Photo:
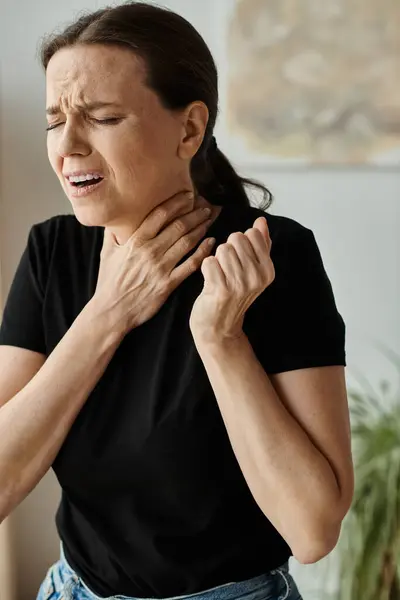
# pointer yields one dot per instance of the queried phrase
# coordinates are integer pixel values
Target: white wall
(355, 215)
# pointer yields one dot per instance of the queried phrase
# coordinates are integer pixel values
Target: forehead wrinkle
(68, 87)
(85, 75)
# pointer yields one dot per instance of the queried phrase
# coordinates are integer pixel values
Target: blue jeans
(62, 583)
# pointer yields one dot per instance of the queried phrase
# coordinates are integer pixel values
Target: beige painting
(317, 80)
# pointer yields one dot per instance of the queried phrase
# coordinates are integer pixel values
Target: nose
(72, 142)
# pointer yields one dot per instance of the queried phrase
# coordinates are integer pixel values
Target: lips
(86, 183)
(84, 188)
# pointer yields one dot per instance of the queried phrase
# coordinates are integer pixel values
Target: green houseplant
(369, 547)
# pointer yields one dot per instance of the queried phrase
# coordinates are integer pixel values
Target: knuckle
(193, 264)
(149, 253)
(179, 226)
(225, 248)
(235, 237)
(161, 213)
(204, 251)
(186, 243)
(190, 266)
(207, 260)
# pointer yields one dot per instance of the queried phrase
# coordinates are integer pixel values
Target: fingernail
(207, 211)
(211, 241)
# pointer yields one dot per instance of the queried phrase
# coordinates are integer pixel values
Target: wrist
(216, 341)
(105, 318)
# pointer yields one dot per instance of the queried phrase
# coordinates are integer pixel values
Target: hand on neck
(125, 228)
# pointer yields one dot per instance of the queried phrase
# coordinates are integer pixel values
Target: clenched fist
(238, 273)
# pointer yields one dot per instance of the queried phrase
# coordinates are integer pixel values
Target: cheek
(54, 157)
(132, 156)
(143, 154)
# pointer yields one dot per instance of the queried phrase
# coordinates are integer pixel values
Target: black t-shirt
(154, 503)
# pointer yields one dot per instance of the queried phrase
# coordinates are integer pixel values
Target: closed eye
(53, 126)
(109, 121)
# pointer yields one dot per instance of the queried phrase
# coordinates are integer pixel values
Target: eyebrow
(55, 109)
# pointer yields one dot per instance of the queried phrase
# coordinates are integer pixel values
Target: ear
(194, 123)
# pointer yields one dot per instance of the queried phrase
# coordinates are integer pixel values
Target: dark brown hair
(180, 69)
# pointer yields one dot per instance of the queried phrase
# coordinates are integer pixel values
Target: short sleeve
(306, 330)
(22, 321)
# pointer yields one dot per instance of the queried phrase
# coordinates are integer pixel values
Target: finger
(163, 214)
(200, 202)
(192, 264)
(230, 263)
(259, 244)
(212, 272)
(262, 225)
(172, 253)
(243, 247)
(180, 230)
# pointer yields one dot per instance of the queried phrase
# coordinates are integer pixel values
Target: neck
(124, 230)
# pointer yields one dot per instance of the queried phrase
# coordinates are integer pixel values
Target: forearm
(292, 482)
(36, 421)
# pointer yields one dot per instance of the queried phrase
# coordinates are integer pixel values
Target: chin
(90, 217)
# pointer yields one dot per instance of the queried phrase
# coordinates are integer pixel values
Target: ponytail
(218, 182)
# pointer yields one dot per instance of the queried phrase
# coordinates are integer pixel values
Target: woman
(174, 354)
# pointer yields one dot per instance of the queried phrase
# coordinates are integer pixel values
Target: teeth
(78, 178)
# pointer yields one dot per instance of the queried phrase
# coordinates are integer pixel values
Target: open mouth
(87, 183)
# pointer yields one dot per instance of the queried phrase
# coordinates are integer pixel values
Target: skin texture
(145, 155)
(290, 431)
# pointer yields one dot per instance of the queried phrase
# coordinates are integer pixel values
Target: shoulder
(286, 233)
(56, 225)
(279, 224)
(62, 245)
(61, 231)
(294, 250)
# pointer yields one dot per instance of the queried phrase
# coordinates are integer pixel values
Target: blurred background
(309, 105)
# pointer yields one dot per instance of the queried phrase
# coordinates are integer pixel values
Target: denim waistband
(259, 587)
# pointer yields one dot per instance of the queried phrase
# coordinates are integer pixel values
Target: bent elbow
(311, 555)
(317, 548)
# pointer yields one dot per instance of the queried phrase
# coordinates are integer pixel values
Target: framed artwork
(309, 82)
